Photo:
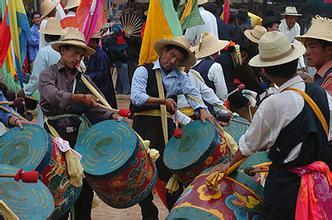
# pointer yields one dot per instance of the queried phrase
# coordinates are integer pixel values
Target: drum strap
(163, 111)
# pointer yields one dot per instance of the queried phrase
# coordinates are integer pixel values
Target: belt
(151, 112)
(189, 111)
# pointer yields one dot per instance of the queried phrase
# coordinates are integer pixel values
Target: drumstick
(6, 103)
(122, 112)
(250, 113)
(13, 113)
(26, 177)
(238, 89)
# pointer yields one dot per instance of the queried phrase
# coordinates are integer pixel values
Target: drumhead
(106, 147)
(196, 140)
(28, 149)
(26, 200)
(237, 127)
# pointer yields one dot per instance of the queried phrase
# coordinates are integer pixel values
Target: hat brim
(218, 46)
(248, 34)
(309, 36)
(88, 51)
(52, 6)
(298, 51)
(70, 7)
(52, 32)
(290, 14)
(189, 61)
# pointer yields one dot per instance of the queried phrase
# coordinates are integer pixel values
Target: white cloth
(273, 115)
(193, 34)
(42, 41)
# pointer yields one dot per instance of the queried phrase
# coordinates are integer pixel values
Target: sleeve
(38, 65)
(4, 116)
(327, 84)
(34, 38)
(216, 75)
(138, 87)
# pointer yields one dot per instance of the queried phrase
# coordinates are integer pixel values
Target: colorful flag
(20, 31)
(188, 14)
(162, 22)
(5, 37)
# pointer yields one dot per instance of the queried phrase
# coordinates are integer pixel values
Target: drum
(115, 163)
(240, 196)
(237, 127)
(26, 200)
(201, 146)
(32, 149)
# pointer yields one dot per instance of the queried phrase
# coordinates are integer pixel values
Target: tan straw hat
(321, 29)
(209, 45)
(291, 11)
(96, 35)
(52, 27)
(255, 34)
(202, 2)
(275, 49)
(179, 41)
(72, 4)
(75, 38)
(46, 7)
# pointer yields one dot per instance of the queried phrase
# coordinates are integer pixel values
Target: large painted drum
(239, 195)
(237, 127)
(201, 146)
(32, 149)
(26, 200)
(116, 164)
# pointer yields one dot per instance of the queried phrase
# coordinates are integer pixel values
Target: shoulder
(49, 71)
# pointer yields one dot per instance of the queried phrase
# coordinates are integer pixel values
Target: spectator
(33, 41)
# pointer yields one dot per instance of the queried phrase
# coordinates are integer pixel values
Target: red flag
(5, 37)
(227, 12)
(328, 1)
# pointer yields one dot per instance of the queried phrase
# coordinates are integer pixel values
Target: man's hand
(86, 99)
(205, 115)
(170, 105)
(15, 121)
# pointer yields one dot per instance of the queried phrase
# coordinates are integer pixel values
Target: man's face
(274, 27)
(93, 43)
(170, 59)
(316, 54)
(36, 19)
(290, 21)
(72, 56)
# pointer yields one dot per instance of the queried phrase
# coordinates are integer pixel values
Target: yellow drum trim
(187, 111)
(151, 112)
(244, 186)
(214, 212)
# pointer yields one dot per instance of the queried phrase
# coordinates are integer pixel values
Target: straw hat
(52, 27)
(275, 49)
(291, 11)
(179, 41)
(96, 35)
(255, 34)
(72, 4)
(209, 45)
(75, 38)
(202, 2)
(321, 29)
(46, 7)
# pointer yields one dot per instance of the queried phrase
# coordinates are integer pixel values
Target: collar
(321, 72)
(295, 80)
(156, 65)
(62, 69)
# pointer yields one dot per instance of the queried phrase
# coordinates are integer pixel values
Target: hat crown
(72, 4)
(182, 40)
(290, 10)
(73, 35)
(46, 7)
(315, 30)
(273, 45)
(209, 44)
(258, 31)
(52, 27)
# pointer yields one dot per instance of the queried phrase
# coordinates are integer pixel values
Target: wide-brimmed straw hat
(321, 29)
(275, 49)
(72, 4)
(255, 34)
(75, 38)
(52, 27)
(290, 11)
(202, 2)
(209, 45)
(46, 7)
(179, 41)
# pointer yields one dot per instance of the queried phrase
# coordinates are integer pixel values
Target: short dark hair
(35, 13)
(285, 70)
(325, 43)
(180, 49)
(52, 38)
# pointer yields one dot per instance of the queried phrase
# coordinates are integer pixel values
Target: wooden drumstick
(6, 103)
(26, 177)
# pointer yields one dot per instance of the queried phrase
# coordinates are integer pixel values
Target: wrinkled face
(290, 21)
(36, 19)
(71, 56)
(170, 59)
(316, 54)
(274, 27)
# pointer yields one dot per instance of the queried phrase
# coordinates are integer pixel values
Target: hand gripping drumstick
(238, 89)
(177, 131)
(26, 177)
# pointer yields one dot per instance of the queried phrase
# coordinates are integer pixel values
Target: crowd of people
(213, 67)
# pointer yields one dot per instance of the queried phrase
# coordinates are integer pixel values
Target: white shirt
(42, 41)
(193, 34)
(272, 116)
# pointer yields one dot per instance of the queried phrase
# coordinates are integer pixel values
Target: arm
(5, 116)
(34, 37)
(39, 65)
(216, 75)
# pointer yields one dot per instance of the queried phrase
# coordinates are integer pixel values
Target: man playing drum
(155, 87)
(65, 97)
(295, 132)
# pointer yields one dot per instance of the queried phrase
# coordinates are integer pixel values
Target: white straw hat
(275, 49)
(209, 44)
(202, 2)
(52, 27)
(75, 38)
(46, 7)
(321, 29)
(291, 11)
(255, 34)
(179, 41)
(72, 4)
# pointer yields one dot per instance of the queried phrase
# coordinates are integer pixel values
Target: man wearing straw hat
(155, 87)
(318, 43)
(48, 10)
(211, 71)
(70, 19)
(295, 133)
(66, 97)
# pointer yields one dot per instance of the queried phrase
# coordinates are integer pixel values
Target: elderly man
(64, 98)
(296, 137)
(155, 88)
